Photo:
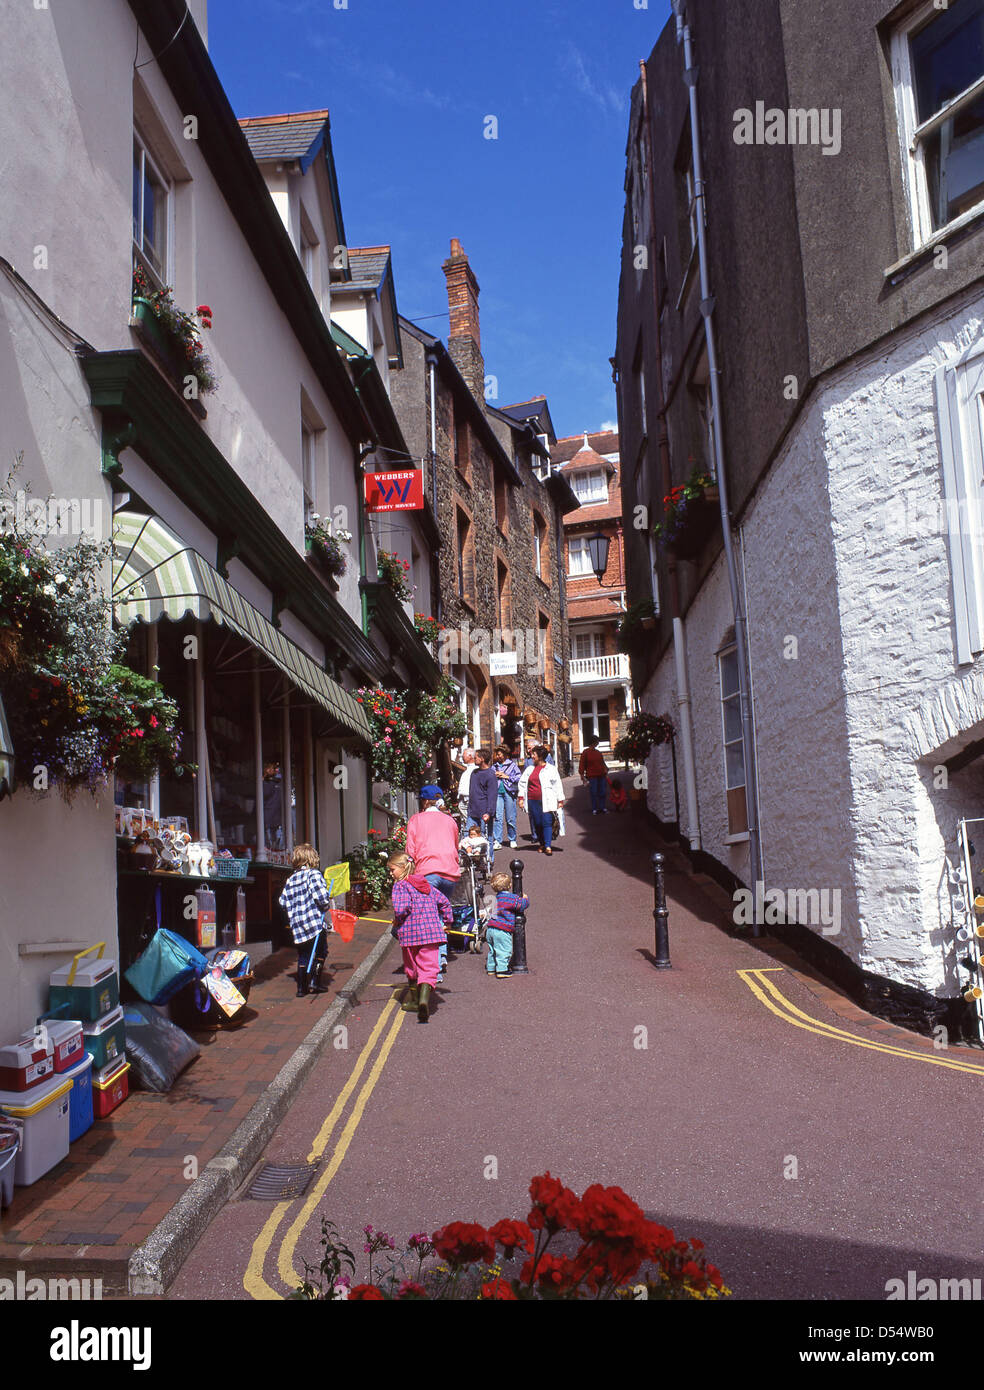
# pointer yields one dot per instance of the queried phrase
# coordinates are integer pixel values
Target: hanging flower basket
(689, 516)
(325, 545)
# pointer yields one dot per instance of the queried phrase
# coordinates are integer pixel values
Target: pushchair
(469, 914)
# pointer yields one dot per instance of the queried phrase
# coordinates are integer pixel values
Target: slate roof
(296, 135)
(368, 265)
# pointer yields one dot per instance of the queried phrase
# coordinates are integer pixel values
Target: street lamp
(6, 756)
(598, 547)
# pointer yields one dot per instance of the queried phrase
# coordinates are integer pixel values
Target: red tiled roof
(566, 449)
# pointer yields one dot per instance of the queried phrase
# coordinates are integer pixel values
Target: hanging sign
(395, 492)
(503, 664)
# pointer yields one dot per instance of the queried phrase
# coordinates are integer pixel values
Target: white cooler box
(44, 1113)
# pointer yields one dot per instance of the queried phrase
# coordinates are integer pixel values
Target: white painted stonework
(854, 715)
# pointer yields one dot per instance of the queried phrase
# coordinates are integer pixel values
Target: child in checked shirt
(305, 900)
(420, 913)
(502, 924)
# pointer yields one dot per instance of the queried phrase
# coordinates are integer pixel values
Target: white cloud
(608, 98)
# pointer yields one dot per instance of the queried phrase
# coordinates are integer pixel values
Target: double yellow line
(773, 999)
(253, 1281)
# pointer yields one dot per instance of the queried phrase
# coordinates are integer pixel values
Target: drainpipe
(707, 310)
(432, 365)
(679, 635)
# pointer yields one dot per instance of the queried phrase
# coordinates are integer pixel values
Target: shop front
(266, 737)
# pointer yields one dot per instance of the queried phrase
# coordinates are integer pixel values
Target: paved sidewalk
(125, 1175)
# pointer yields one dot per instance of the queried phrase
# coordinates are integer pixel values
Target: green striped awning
(155, 575)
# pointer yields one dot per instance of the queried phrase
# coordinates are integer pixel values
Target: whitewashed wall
(858, 696)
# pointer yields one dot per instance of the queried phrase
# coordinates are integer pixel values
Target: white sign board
(503, 663)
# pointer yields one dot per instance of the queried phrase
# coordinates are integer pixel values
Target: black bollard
(519, 966)
(660, 916)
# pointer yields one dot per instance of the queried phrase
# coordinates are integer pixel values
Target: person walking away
(594, 771)
(420, 915)
(507, 772)
(432, 844)
(305, 900)
(483, 793)
(502, 924)
(542, 792)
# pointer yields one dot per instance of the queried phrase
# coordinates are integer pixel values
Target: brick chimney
(464, 338)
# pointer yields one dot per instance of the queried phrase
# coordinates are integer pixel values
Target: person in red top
(594, 770)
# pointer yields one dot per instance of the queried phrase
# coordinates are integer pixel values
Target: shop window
(938, 66)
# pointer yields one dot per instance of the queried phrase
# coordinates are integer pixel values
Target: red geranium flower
(462, 1243)
(411, 1290)
(555, 1207)
(366, 1293)
(512, 1236)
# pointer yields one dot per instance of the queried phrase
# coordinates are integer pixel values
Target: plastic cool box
(44, 1113)
(87, 989)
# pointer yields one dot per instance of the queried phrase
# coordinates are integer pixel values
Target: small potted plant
(429, 628)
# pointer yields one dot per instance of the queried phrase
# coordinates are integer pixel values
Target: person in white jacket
(541, 792)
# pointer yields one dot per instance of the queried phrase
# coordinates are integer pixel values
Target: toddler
(474, 844)
(502, 924)
(305, 900)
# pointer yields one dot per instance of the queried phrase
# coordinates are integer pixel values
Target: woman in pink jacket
(432, 844)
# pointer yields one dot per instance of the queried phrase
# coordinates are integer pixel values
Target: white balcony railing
(592, 669)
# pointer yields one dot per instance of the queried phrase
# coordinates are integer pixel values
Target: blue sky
(409, 84)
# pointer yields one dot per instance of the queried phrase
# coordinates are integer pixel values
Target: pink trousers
(422, 964)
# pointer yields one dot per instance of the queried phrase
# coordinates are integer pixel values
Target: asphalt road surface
(813, 1163)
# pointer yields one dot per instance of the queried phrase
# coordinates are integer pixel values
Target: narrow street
(701, 1091)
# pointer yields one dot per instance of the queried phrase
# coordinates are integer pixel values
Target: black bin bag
(157, 1049)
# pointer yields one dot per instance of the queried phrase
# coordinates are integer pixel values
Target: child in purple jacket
(420, 913)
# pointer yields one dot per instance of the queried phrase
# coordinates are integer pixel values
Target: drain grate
(277, 1182)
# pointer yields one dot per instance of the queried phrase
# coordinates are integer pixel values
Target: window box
(173, 339)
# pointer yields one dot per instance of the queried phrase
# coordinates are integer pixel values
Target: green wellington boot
(410, 1003)
(423, 1005)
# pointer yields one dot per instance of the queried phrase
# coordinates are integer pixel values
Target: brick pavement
(123, 1177)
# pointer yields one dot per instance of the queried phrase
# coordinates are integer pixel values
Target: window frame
(737, 813)
(594, 499)
(912, 134)
(961, 427)
(163, 276)
(572, 573)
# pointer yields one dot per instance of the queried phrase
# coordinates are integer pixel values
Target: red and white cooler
(26, 1063)
(65, 1037)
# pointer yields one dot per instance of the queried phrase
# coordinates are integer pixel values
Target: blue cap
(431, 793)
